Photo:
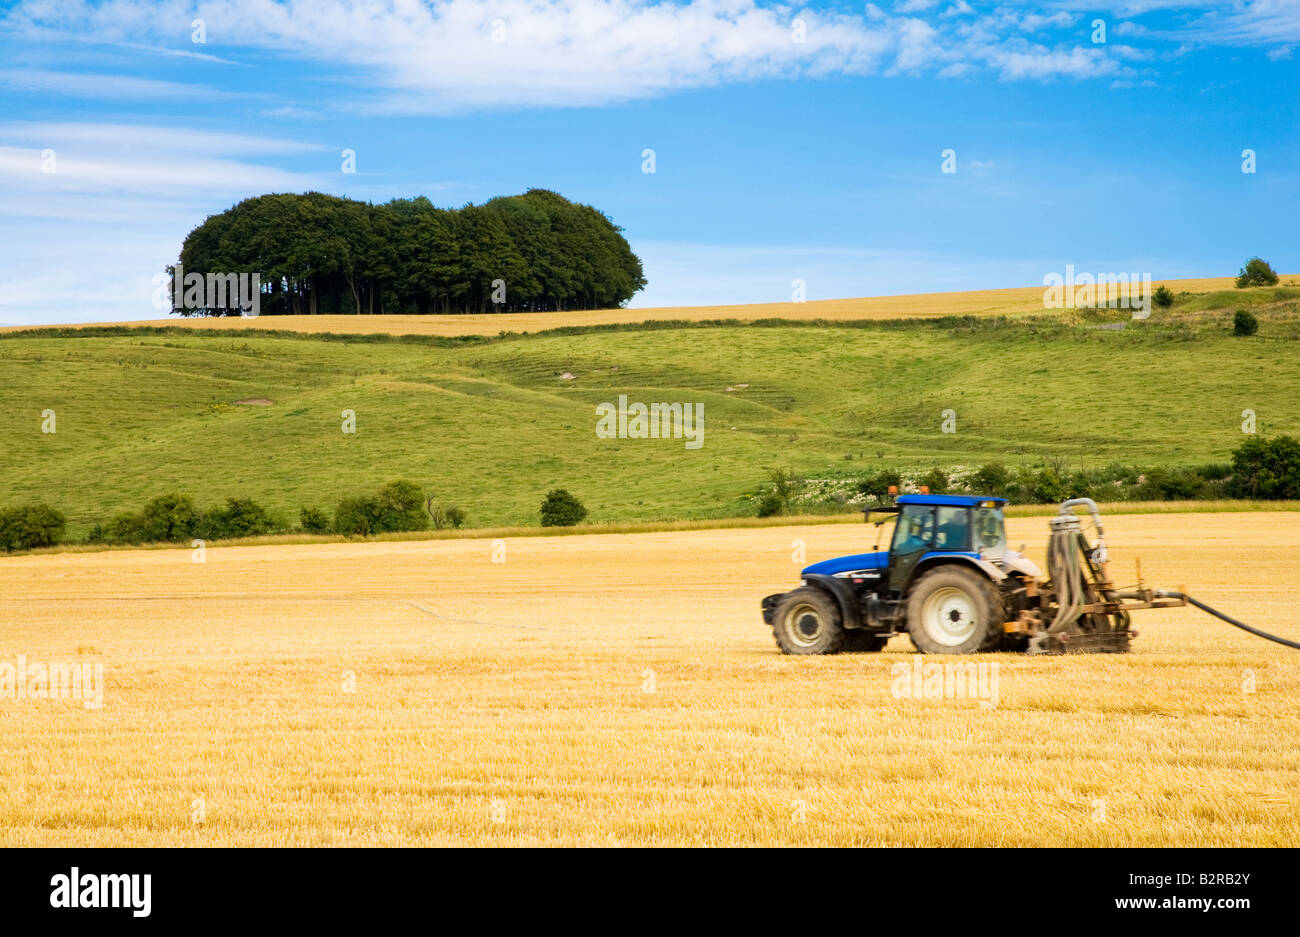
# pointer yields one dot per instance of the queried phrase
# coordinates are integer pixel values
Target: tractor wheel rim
(949, 617)
(803, 625)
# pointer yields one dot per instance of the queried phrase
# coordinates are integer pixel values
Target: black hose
(1232, 621)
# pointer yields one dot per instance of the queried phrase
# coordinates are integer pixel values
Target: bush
(241, 517)
(356, 517)
(1244, 323)
(397, 506)
(783, 487)
(877, 486)
(561, 509)
(991, 479)
(168, 518)
(314, 521)
(1256, 272)
(401, 507)
(30, 526)
(1163, 297)
(1164, 484)
(119, 529)
(1266, 468)
(1047, 487)
(936, 480)
(447, 515)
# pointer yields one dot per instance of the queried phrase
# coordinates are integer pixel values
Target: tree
(1244, 323)
(936, 480)
(30, 526)
(1256, 272)
(991, 479)
(561, 509)
(1163, 296)
(1266, 468)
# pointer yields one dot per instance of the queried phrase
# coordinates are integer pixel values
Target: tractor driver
(953, 528)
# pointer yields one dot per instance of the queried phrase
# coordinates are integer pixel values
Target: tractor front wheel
(955, 610)
(807, 621)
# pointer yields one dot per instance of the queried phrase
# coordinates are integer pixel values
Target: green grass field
(492, 424)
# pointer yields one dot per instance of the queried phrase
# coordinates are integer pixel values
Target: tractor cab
(931, 527)
(927, 529)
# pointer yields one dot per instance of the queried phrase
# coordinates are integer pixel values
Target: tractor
(950, 581)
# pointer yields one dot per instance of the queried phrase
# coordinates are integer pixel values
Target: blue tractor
(949, 580)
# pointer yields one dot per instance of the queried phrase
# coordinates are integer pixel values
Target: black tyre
(864, 642)
(807, 621)
(955, 610)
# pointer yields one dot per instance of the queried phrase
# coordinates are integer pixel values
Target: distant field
(493, 424)
(1007, 302)
(622, 690)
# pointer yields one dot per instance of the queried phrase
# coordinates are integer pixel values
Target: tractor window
(990, 533)
(915, 530)
(952, 529)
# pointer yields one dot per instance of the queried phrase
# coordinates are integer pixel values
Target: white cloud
(83, 242)
(414, 56)
(92, 85)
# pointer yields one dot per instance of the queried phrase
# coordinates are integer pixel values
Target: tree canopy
(318, 254)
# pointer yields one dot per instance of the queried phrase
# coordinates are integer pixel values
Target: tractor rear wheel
(807, 621)
(955, 610)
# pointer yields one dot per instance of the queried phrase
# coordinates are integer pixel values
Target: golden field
(620, 689)
(1009, 302)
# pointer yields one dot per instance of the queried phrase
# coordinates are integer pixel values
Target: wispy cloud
(100, 85)
(458, 55)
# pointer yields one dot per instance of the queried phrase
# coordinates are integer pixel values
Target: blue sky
(790, 142)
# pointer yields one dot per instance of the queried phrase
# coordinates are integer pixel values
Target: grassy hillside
(492, 424)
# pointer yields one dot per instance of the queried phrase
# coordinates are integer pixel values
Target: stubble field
(621, 689)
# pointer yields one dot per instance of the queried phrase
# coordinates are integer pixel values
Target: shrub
(30, 526)
(241, 517)
(356, 517)
(1047, 486)
(1266, 468)
(398, 505)
(119, 529)
(1256, 272)
(936, 480)
(168, 518)
(991, 479)
(401, 507)
(1164, 484)
(877, 486)
(446, 515)
(314, 521)
(1244, 323)
(561, 509)
(1163, 297)
(783, 486)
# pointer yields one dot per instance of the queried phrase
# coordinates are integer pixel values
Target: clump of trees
(319, 254)
(1256, 272)
(29, 526)
(397, 506)
(1266, 468)
(174, 518)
